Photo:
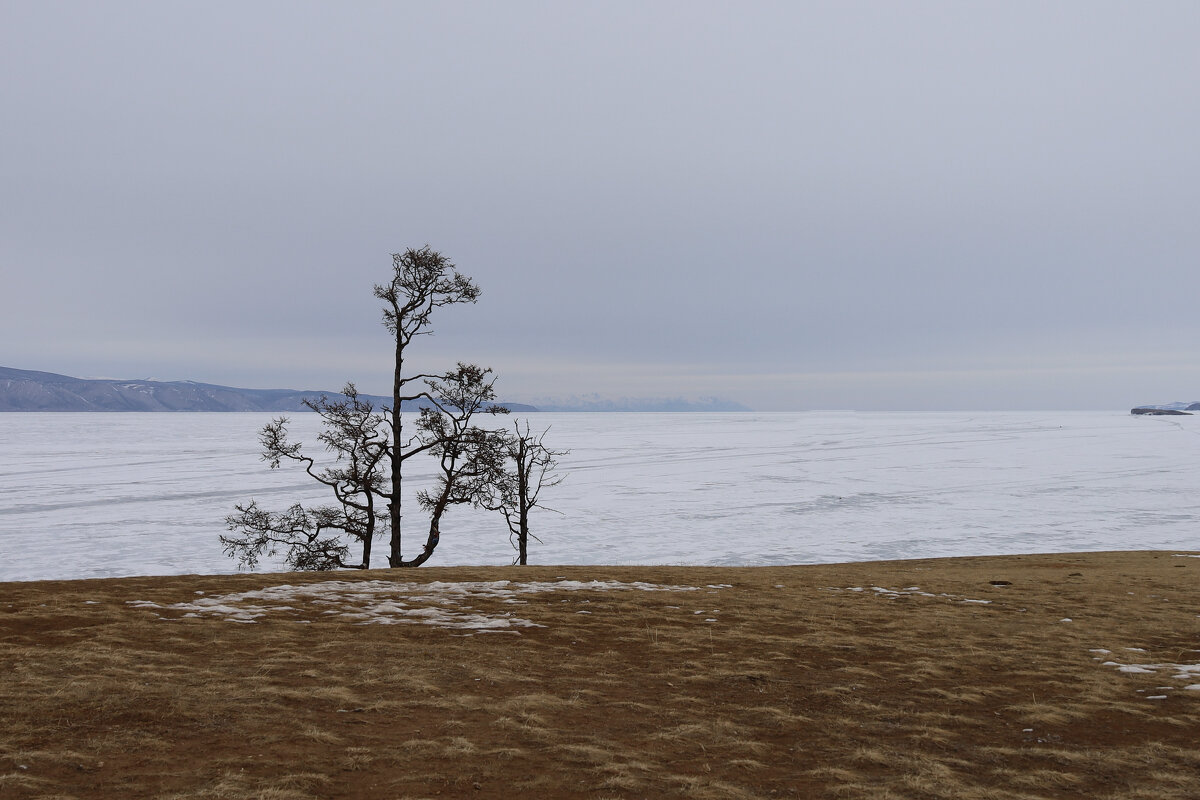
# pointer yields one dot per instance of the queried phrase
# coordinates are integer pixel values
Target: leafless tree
(315, 539)
(422, 280)
(370, 447)
(470, 458)
(529, 467)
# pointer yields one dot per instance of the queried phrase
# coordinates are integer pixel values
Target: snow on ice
(102, 495)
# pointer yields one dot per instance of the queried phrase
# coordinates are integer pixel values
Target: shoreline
(515, 572)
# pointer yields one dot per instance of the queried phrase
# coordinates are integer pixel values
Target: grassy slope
(796, 690)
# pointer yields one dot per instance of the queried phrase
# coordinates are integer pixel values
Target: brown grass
(800, 688)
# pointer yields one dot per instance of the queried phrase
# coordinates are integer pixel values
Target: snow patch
(443, 604)
(1186, 673)
(892, 594)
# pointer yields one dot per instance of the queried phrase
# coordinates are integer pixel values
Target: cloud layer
(870, 205)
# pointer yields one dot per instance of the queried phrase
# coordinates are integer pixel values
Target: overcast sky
(795, 205)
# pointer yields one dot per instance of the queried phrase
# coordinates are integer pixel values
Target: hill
(28, 390)
(1048, 676)
(596, 403)
(1166, 408)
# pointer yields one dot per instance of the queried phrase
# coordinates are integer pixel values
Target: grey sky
(875, 205)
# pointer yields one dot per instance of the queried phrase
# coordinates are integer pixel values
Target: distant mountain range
(638, 404)
(27, 390)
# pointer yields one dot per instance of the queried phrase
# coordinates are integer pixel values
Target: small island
(1156, 411)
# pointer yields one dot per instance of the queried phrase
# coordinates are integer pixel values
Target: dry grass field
(1070, 681)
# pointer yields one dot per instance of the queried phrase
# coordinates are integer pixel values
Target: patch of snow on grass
(1133, 669)
(1180, 672)
(892, 594)
(443, 604)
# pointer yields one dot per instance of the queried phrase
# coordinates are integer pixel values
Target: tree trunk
(370, 537)
(431, 541)
(523, 469)
(396, 558)
(523, 538)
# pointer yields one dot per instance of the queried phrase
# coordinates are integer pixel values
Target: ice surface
(97, 495)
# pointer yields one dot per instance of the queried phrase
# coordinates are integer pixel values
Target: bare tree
(315, 539)
(422, 280)
(370, 448)
(470, 458)
(529, 467)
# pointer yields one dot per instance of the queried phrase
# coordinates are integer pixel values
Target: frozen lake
(98, 495)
